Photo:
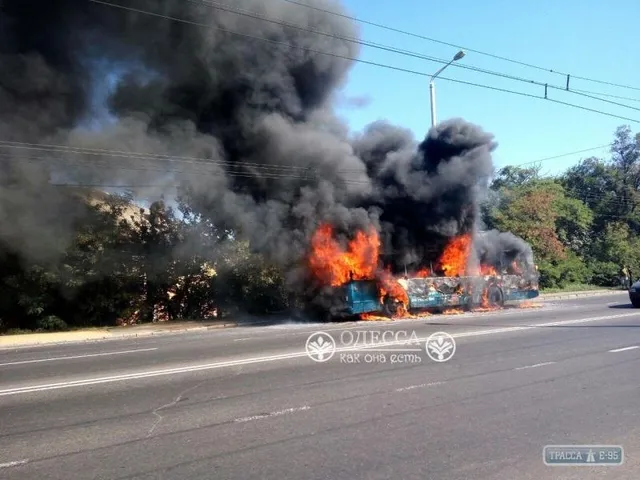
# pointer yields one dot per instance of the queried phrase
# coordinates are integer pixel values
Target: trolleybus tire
(390, 307)
(495, 296)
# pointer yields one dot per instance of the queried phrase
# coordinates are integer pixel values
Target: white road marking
(358, 324)
(148, 374)
(534, 366)
(422, 385)
(616, 350)
(73, 357)
(413, 349)
(290, 410)
(272, 414)
(541, 325)
(14, 464)
(253, 417)
(305, 328)
(273, 358)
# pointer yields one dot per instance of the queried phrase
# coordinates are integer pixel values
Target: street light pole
(432, 86)
(432, 96)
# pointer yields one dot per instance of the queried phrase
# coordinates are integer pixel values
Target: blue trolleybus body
(361, 296)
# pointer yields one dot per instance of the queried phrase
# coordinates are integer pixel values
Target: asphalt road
(249, 403)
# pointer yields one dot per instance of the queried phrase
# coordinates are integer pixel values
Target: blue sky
(588, 38)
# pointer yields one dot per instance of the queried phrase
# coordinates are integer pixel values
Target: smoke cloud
(245, 124)
(502, 248)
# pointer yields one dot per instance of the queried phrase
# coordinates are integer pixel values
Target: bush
(606, 274)
(51, 323)
(570, 270)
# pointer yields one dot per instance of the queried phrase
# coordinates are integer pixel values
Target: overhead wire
(602, 94)
(234, 10)
(268, 168)
(354, 59)
(202, 166)
(554, 157)
(193, 172)
(480, 52)
(154, 156)
(238, 172)
(259, 169)
(580, 194)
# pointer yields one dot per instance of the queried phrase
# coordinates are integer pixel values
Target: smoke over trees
(233, 104)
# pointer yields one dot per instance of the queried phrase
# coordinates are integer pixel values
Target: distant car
(634, 294)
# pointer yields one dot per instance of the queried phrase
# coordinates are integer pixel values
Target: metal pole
(432, 87)
(432, 93)
(432, 96)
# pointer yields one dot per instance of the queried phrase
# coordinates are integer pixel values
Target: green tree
(155, 236)
(513, 176)
(556, 227)
(531, 213)
(92, 283)
(99, 282)
(610, 188)
(573, 223)
(617, 246)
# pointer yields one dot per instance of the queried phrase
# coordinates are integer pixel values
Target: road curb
(567, 295)
(60, 338)
(163, 331)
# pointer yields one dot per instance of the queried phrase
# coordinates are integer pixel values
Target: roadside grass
(577, 287)
(22, 331)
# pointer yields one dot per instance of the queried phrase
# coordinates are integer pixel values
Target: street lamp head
(459, 55)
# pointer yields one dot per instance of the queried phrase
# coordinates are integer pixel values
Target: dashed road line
(14, 464)
(624, 349)
(272, 414)
(73, 357)
(534, 366)
(422, 385)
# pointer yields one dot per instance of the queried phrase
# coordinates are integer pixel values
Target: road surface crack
(156, 411)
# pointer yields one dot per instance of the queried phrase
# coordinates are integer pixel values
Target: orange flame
(335, 266)
(487, 270)
(423, 273)
(452, 311)
(453, 260)
(392, 287)
(529, 305)
(372, 318)
(484, 304)
(485, 298)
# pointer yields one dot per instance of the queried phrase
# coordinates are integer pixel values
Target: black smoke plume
(237, 109)
(427, 193)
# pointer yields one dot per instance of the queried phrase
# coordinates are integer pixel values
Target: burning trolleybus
(489, 289)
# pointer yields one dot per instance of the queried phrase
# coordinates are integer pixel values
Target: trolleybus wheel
(495, 296)
(392, 307)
